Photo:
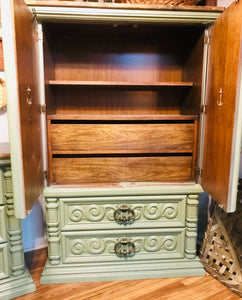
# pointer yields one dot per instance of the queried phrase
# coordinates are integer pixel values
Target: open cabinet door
(223, 117)
(23, 105)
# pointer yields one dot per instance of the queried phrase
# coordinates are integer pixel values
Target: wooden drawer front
(111, 212)
(77, 170)
(3, 224)
(4, 261)
(122, 138)
(99, 246)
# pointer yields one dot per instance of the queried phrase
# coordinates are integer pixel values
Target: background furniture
(14, 278)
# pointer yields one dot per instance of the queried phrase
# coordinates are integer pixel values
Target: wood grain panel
(78, 170)
(20, 44)
(118, 101)
(49, 72)
(121, 138)
(123, 54)
(193, 70)
(224, 68)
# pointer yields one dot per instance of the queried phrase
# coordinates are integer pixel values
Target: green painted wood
(99, 212)
(123, 189)
(115, 271)
(3, 224)
(80, 14)
(13, 287)
(14, 278)
(86, 251)
(99, 246)
(2, 198)
(4, 261)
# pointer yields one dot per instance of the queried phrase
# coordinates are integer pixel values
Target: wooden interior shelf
(118, 83)
(87, 117)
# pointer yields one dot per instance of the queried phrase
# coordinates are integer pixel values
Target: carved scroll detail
(107, 245)
(100, 212)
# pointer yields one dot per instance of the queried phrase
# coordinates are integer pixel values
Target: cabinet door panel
(223, 116)
(20, 47)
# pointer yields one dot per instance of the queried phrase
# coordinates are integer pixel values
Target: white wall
(3, 128)
(224, 3)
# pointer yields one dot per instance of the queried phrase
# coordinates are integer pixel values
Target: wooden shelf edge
(118, 83)
(117, 152)
(79, 117)
(56, 3)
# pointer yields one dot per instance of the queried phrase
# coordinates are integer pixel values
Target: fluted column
(14, 229)
(191, 226)
(52, 222)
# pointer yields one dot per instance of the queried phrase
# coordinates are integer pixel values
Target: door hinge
(203, 109)
(39, 33)
(207, 37)
(46, 175)
(198, 171)
(42, 108)
(207, 40)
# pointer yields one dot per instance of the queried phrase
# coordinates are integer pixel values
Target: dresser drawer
(122, 245)
(122, 138)
(119, 212)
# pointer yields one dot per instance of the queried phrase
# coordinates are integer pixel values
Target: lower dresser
(119, 233)
(15, 280)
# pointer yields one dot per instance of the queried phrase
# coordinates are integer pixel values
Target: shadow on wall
(33, 226)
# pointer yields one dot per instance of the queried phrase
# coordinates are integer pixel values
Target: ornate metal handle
(124, 214)
(220, 102)
(29, 102)
(124, 247)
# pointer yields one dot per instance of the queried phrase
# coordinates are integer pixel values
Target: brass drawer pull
(124, 214)
(124, 247)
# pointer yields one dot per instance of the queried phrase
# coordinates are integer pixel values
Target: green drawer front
(113, 212)
(96, 246)
(3, 224)
(4, 266)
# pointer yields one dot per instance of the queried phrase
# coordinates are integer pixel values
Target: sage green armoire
(121, 114)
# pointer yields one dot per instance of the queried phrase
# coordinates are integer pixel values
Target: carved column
(52, 222)
(14, 229)
(191, 226)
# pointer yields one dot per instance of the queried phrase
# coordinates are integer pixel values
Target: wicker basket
(163, 2)
(221, 251)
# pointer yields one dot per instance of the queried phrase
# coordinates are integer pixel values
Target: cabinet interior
(122, 102)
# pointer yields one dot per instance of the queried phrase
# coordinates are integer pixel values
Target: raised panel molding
(102, 246)
(4, 264)
(80, 247)
(143, 211)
